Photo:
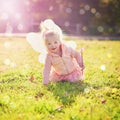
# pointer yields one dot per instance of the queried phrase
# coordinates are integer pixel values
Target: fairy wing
(71, 44)
(36, 42)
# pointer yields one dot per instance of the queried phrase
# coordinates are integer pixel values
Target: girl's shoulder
(48, 56)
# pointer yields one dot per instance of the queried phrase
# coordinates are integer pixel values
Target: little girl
(62, 63)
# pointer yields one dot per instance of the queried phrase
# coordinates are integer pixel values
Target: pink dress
(63, 68)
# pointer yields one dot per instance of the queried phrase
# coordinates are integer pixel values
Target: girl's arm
(46, 71)
(79, 58)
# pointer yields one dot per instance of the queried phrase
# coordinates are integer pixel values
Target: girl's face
(53, 44)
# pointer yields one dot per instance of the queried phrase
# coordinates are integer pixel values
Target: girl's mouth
(53, 48)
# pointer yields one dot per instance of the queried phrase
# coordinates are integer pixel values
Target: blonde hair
(49, 28)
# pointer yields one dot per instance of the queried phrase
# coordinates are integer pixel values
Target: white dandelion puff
(102, 67)
(86, 90)
(7, 44)
(7, 61)
(13, 64)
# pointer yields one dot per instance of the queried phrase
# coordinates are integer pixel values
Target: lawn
(23, 97)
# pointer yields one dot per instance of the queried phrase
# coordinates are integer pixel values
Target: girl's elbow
(45, 82)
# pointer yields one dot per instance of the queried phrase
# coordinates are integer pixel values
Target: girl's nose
(53, 45)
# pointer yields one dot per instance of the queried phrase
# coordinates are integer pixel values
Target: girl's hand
(81, 64)
(45, 84)
(82, 67)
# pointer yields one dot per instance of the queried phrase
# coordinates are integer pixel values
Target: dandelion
(7, 44)
(86, 90)
(12, 105)
(6, 99)
(7, 61)
(102, 67)
(13, 64)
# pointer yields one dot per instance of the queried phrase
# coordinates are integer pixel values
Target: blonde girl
(62, 62)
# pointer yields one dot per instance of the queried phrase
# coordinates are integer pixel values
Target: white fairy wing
(36, 42)
(41, 58)
(71, 44)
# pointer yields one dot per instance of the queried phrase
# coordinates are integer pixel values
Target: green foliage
(23, 97)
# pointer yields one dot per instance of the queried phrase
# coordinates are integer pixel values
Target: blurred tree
(84, 16)
(110, 15)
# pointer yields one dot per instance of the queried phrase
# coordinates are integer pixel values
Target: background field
(23, 97)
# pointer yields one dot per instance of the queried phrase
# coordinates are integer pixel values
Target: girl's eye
(49, 43)
(56, 42)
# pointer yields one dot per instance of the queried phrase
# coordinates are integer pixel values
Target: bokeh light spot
(93, 10)
(27, 2)
(51, 8)
(84, 28)
(20, 27)
(97, 14)
(67, 23)
(68, 10)
(9, 28)
(87, 7)
(18, 16)
(4, 16)
(100, 29)
(35, 0)
(82, 11)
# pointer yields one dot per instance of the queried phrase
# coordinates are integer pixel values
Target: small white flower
(13, 65)
(6, 99)
(7, 44)
(12, 105)
(102, 67)
(7, 61)
(86, 90)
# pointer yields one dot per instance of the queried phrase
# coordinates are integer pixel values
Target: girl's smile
(53, 45)
(53, 48)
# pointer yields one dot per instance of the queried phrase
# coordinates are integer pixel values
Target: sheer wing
(36, 42)
(41, 58)
(71, 44)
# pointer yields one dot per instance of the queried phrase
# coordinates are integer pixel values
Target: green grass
(97, 98)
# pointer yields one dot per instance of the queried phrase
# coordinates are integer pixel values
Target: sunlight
(7, 44)
(18, 16)
(20, 27)
(7, 61)
(8, 6)
(4, 16)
